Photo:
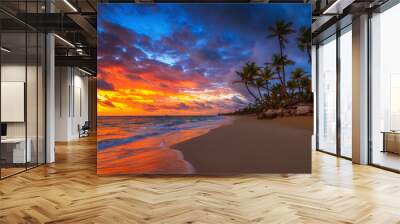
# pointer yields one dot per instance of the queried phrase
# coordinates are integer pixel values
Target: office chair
(84, 130)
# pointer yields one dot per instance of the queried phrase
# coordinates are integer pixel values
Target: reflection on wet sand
(150, 155)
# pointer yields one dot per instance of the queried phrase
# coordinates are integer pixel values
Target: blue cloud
(213, 40)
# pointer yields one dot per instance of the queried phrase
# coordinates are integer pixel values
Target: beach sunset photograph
(204, 89)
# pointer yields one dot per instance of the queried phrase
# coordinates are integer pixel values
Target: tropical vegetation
(278, 83)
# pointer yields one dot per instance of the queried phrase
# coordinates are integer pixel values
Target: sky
(181, 59)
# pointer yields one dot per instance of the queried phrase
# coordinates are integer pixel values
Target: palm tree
(253, 70)
(304, 41)
(277, 89)
(245, 79)
(279, 63)
(259, 83)
(247, 75)
(276, 95)
(285, 61)
(305, 84)
(281, 30)
(267, 76)
(297, 76)
(291, 85)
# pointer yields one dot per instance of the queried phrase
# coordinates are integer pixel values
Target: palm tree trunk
(251, 93)
(259, 92)
(283, 64)
(285, 92)
(299, 88)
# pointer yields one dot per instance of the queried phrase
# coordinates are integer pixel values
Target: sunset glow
(173, 60)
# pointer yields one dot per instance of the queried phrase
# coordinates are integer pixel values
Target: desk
(391, 141)
(16, 147)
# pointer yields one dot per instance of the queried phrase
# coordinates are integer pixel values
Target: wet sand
(152, 155)
(248, 145)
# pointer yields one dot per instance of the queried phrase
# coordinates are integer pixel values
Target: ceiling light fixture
(79, 51)
(328, 10)
(337, 7)
(70, 5)
(5, 50)
(64, 40)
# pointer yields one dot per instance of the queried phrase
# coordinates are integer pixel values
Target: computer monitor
(3, 129)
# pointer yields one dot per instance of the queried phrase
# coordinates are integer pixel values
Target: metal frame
(0, 92)
(26, 89)
(37, 92)
(338, 98)
(338, 152)
(316, 97)
(369, 98)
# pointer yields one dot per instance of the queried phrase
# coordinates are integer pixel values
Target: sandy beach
(248, 145)
(224, 145)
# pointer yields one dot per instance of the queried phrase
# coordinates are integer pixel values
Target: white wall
(62, 81)
(71, 102)
(80, 111)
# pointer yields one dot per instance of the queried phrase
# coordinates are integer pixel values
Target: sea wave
(117, 131)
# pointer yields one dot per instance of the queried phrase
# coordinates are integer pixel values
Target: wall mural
(204, 88)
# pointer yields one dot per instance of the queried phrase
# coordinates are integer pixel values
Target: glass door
(326, 95)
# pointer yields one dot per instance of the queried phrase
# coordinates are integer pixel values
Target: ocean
(142, 144)
(115, 131)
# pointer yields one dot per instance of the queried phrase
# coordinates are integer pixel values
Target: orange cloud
(159, 90)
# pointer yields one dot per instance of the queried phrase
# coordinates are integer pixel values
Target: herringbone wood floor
(69, 191)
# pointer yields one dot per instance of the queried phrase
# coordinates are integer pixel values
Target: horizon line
(159, 115)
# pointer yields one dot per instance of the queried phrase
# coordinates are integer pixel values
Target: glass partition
(346, 92)
(22, 77)
(326, 105)
(13, 94)
(385, 89)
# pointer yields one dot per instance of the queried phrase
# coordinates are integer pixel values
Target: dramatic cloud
(103, 85)
(167, 59)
